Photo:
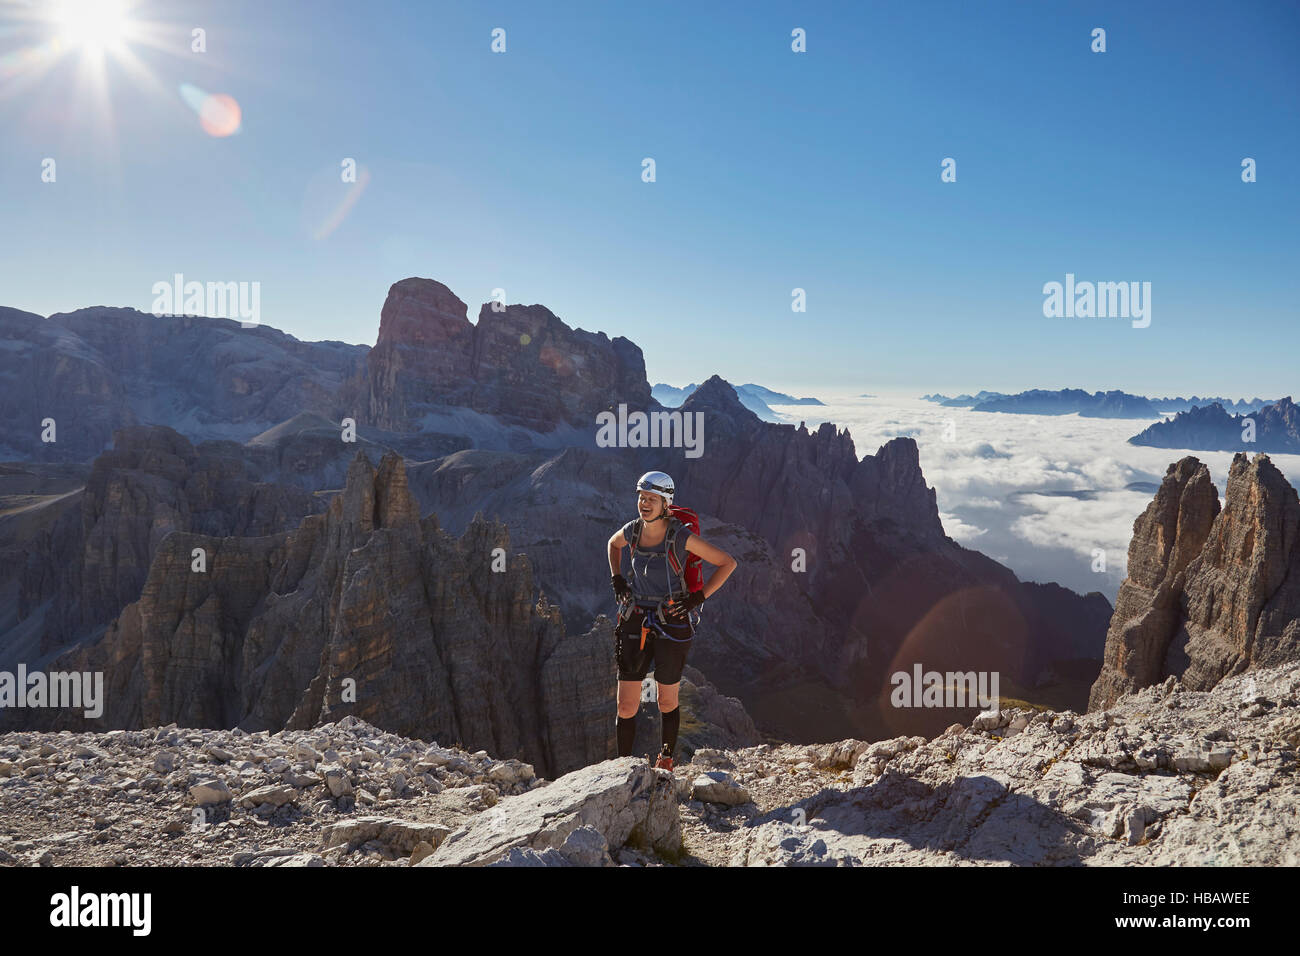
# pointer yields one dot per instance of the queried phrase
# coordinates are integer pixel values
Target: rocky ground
(1165, 776)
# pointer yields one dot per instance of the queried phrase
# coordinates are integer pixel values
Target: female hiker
(657, 616)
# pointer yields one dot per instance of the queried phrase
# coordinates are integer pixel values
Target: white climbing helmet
(658, 483)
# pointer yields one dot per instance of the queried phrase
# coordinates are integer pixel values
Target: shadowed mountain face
(366, 610)
(846, 576)
(82, 556)
(1273, 428)
(1211, 593)
(96, 370)
(520, 364)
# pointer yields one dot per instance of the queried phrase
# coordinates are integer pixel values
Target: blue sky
(775, 170)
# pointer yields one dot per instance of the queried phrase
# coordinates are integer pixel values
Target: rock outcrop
(93, 556)
(789, 485)
(520, 364)
(1166, 537)
(345, 794)
(574, 821)
(1164, 777)
(1211, 592)
(366, 610)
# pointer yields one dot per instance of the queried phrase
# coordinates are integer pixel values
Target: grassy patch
(687, 700)
(677, 857)
(1011, 703)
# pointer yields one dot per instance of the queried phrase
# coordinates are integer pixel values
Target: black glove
(679, 612)
(622, 589)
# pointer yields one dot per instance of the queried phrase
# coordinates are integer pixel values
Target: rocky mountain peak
(900, 456)
(422, 312)
(1177, 521)
(395, 506)
(1211, 592)
(716, 394)
(355, 508)
(521, 364)
(536, 321)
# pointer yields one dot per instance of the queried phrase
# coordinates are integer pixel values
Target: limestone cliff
(366, 610)
(93, 554)
(521, 364)
(1211, 592)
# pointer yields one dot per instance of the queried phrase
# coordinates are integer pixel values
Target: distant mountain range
(1273, 428)
(1171, 406)
(1200, 427)
(962, 401)
(1067, 401)
(754, 397)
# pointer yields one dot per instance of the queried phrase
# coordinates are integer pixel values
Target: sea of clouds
(1039, 493)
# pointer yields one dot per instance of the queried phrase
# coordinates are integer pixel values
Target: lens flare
(30, 60)
(344, 207)
(556, 361)
(219, 113)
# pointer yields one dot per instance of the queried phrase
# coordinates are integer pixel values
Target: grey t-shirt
(652, 577)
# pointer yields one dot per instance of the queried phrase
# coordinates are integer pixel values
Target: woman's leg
(629, 697)
(668, 696)
(629, 702)
(633, 663)
(670, 715)
(670, 659)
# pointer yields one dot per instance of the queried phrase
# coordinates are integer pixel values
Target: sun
(94, 26)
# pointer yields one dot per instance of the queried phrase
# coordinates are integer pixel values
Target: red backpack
(694, 574)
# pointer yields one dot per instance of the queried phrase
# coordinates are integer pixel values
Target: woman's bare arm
(616, 545)
(724, 562)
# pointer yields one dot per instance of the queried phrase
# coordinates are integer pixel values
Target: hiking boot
(664, 762)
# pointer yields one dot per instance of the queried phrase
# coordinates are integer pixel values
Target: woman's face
(648, 504)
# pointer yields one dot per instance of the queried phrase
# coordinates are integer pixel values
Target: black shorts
(666, 658)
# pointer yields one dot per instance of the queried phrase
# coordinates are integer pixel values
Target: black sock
(669, 720)
(626, 728)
